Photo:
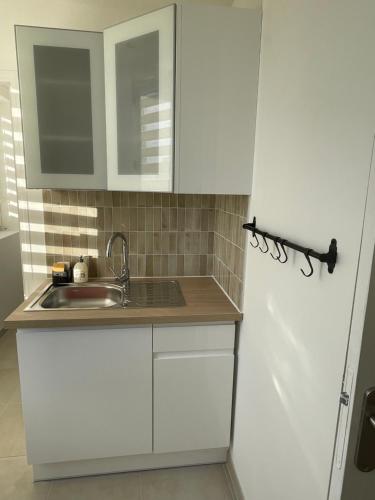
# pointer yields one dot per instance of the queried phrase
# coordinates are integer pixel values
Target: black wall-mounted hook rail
(329, 258)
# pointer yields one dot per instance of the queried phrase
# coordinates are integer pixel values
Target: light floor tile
(9, 386)
(8, 350)
(16, 481)
(186, 483)
(12, 434)
(110, 487)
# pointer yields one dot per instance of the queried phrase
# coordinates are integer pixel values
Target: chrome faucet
(124, 275)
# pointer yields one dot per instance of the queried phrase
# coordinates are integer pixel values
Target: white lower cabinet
(136, 392)
(193, 387)
(86, 393)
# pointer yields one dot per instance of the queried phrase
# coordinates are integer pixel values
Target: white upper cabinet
(62, 97)
(179, 109)
(217, 61)
(139, 83)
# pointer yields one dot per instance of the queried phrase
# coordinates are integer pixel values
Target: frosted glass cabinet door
(139, 84)
(62, 99)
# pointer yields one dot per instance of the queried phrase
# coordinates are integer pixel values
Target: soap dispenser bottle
(80, 271)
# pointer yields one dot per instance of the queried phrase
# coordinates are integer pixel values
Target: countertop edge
(46, 324)
(194, 314)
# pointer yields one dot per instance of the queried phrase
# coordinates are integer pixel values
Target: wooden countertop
(205, 302)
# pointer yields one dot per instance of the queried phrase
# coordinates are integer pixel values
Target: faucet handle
(125, 274)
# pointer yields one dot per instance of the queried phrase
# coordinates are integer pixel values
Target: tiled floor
(187, 483)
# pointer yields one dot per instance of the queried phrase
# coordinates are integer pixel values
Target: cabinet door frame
(163, 21)
(26, 38)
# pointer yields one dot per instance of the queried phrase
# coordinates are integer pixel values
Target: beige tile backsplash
(229, 244)
(168, 234)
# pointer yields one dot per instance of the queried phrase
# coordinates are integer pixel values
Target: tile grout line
(6, 406)
(9, 458)
(12, 456)
(229, 270)
(140, 485)
(229, 241)
(49, 490)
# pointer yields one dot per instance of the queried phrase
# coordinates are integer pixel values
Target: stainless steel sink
(99, 295)
(91, 296)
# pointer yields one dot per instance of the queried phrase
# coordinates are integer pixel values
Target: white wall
(315, 127)
(11, 293)
(8, 187)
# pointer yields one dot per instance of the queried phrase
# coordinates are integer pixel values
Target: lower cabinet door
(86, 394)
(192, 401)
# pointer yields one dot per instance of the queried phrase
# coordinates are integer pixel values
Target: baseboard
(42, 472)
(233, 479)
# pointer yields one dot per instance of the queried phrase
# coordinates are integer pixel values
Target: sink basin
(82, 297)
(97, 295)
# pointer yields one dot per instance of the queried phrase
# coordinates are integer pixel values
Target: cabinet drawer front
(192, 402)
(179, 338)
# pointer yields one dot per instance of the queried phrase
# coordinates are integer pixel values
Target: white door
(86, 394)
(353, 471)
(139, 83)
(315, 125)
(359, 468)
(62, 100)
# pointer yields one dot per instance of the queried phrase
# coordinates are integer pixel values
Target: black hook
(277, 248)
(307, 253)
(281, 243)
(264, 235)
(256, 239)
